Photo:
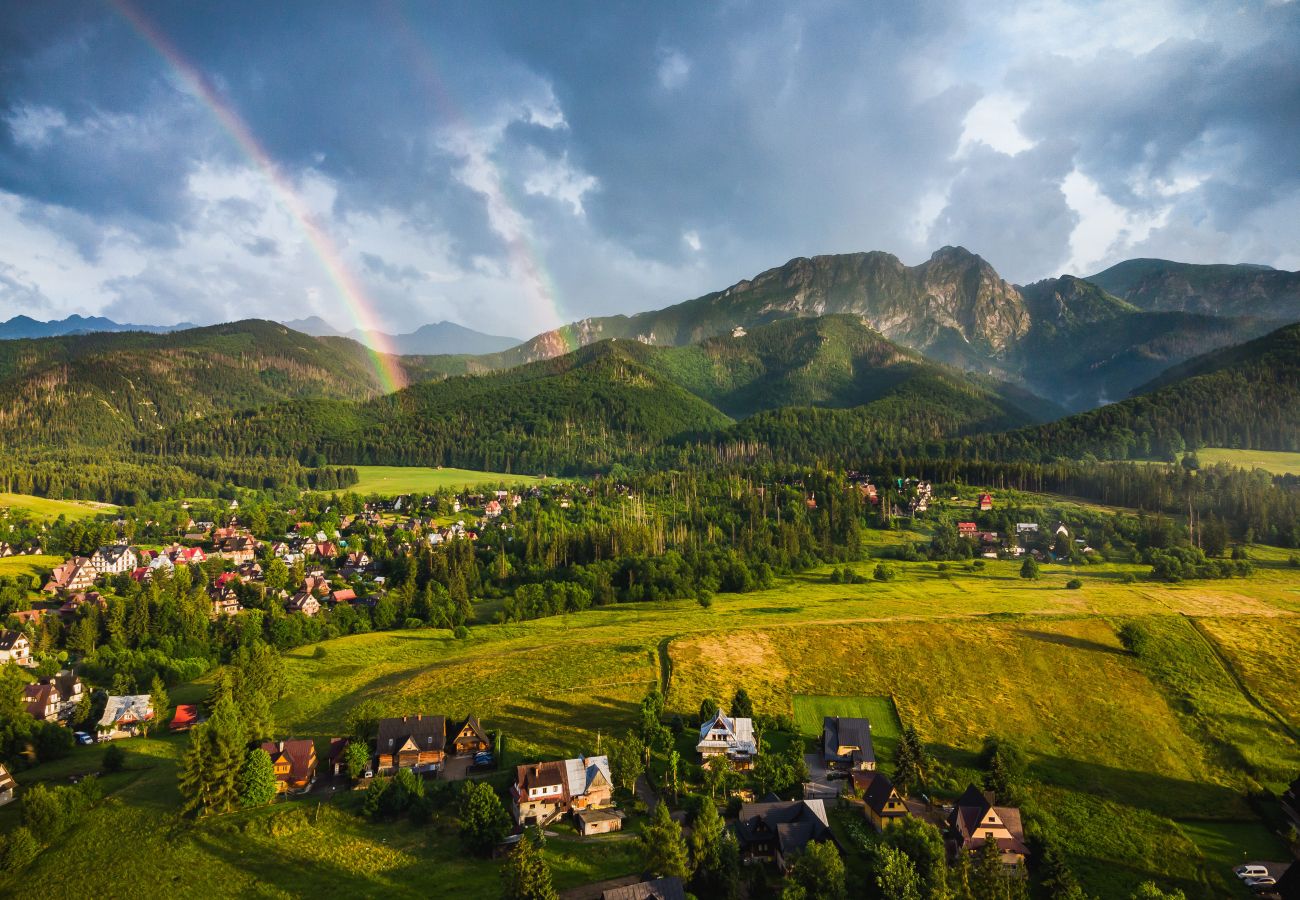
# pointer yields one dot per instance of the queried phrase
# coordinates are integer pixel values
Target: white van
(1250, 872)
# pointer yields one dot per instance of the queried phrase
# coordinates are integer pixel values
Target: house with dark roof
(54, 698)
(114, 559)
(15, 648)
(884, 804)
(411, 742)
(846, 744)
(777, 830)
(294, 762)
(659, 889)
(469, 738)
(976, 820)
(540, 792)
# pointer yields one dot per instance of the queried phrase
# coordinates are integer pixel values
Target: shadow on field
(1159, 794)
(1076, 643)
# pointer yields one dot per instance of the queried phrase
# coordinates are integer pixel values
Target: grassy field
(394, 480)
(1275, 462)
(28, 565)
(1225, 845)
(1124, 750)
(48, 510)
(809, 711)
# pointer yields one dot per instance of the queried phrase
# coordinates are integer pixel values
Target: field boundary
(1240, 682)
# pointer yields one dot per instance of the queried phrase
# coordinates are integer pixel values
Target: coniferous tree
(526, 875)
(714, 855)
(257, 778)
(663, 846)
(741, 706)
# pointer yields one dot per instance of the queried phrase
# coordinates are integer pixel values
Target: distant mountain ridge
(434, 339)
(1247, 290)
(22, 326)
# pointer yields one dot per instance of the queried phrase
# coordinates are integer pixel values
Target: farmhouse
(15, 648)
(846, 743)
(411, 742)
(114, 559)
(538, 794)
(732, 738)
(778, 830)
(967, 529)
(544, 791)
(124, 716)
(77, 574)
(975, 820)
(469, 738)
(303, 602)
(294, 762)
(670, 888)
(7, 786)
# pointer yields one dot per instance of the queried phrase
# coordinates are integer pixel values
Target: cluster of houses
(1028, 539)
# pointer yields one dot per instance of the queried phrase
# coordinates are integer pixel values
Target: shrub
(461, 633)
(18, 850)
(1294, 561)
(1074, 584)
(319, 653)
(1128, 578)
(114, 759)
(884, 573)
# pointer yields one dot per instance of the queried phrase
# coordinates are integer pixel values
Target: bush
(18, 850)
(461, 633)
(1074, 584)
(884, 573)
(1294, 561)
(1128, 578)
(319, 653)
(114, 759)
(1134, 637)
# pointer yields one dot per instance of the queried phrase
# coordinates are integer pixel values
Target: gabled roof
(38, 697)
(473, 725)
(878, 791)
(581, 774)
(298, 754)
(8, 639)
(794, 823)
(541, 774)
(187, 714)
(969, 816)
(420, 731)
(658, 889)
(7, 782)
(739, 733)
(129, 708)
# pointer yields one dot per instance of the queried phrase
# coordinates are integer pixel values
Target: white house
(725, 736)
(15, 648)
(124, 716)
(114, 560)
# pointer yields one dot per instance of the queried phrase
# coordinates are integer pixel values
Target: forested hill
(1245, 396)
(616, 401)
(105, 389)
(1222, 290)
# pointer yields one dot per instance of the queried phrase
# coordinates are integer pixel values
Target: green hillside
(103, 389)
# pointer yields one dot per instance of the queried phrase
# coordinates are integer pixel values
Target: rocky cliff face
(1161, 285)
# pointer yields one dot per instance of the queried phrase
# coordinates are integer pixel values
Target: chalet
(294, 762)
(588, 783)
(412, 742)
(725, 736)
(316, 584)
(985, 502)
(355, 563)
(493, 509)
(967, 529)
(670, 888)
(338, 746)
(846, 744)
(780, 829)
(77, 574)
(304, 603)
(7, 786)
(346, 595)
(15, 648)
(538, 794)
(238, 549)
(469, 738)
(884, 804)
(975, 820)
(225, 602)
(1291, 803)
(72, 606)
(55, 698)
(186, 717)
(160, 562)
(249, 571)
(189, 556)
(115, 559)
(125, 716)
(327, 549)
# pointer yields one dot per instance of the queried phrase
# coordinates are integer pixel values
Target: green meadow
(28, 565)
(394, 480)
(1125, 750)
(1273, 462)
(48, 510)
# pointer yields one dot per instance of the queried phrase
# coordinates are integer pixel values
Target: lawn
(1275, 462)
(1225, 845)
(1263, 654)
(394, 480)
(28, 565)
(809, 711)
(46, 509)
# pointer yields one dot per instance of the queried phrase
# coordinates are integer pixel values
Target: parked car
(1262, 881)
(82, 737)
(836, 776)
(1244, 872)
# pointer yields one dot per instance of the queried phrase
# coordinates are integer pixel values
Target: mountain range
(438, 338)
(26, 327)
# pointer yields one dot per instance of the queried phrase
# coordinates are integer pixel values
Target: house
(493, 509)
(538, 794)
(588, 783)
(733, 738)
(73, 604)
(659, 889)
(186, 717)
(884, 804)
(412, 742)
(986, 502)
(30, 616)
(1291, 803)
(967, 529)
(846, 743)
(597, 821)
(780, 829)
(125, 716)
(225, 602)
(346, 595)
(7, 786)
(15, 648)
(304, 603)
(338, 746)
(238, 549)
(294, 762)
(55, 698)
(249, 571)
(469, 738)
(189, 556)
(77, 574)
(975, 820)
(327, 549)
(114, 559)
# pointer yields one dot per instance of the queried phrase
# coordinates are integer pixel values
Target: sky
(512, 166)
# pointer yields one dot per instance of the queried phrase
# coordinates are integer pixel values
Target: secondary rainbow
(359, 306)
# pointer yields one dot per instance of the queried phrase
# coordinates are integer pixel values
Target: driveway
(817, 787)
(455, 768)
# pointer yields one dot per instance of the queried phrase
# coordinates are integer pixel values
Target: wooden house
(470, 738)
(597, 821)
(975, 820)
(303, 602)
(778, 830)
(15, 648)
(125, 716)
(846, 744)
(411, 742)
(732, 738)
(294, 762)
(55, 698)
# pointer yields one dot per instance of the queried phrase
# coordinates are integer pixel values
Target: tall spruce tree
(663, 846)
(526, 876)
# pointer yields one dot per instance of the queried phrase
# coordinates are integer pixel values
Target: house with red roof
(186, 717)
(967, 530)
(986, 502)
(975, 820)
(294, 762)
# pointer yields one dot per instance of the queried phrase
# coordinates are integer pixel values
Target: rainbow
(387, 367)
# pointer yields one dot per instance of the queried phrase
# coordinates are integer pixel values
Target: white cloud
(992, 121)
(692, 239)
(674, 70)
